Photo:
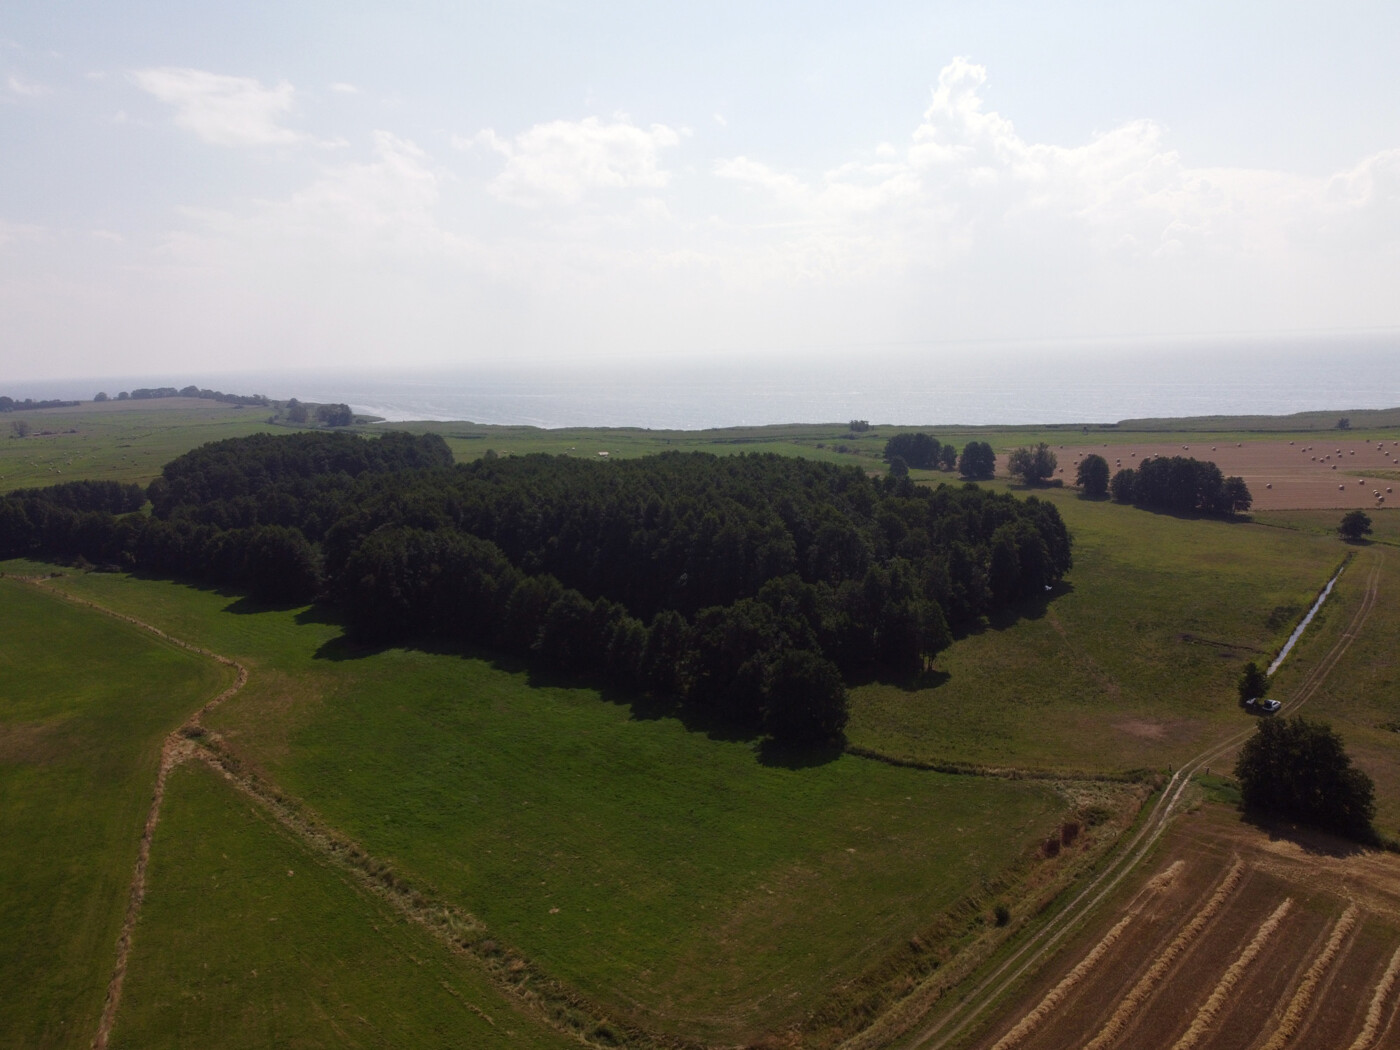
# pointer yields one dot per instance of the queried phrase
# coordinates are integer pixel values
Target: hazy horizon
(270, 186)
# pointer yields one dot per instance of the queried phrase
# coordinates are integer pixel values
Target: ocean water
(969, 384)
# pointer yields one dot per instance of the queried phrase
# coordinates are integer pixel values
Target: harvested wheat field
(1315, 473)
(1236, 940)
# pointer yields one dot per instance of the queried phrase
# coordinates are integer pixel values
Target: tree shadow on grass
(1309, 840)
(800, 756)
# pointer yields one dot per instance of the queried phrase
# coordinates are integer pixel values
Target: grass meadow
(126, 441)
(677, 879)
(249, 939)
(85, 703)
(1132, 665)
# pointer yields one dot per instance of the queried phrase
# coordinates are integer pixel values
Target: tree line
(925, 452)
(1182, 485)
(754, 586)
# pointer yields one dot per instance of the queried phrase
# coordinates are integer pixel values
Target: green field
(127, 441)
(132, 440)
(248, 939)
(678, 880)
(670, 876)
(1069, 687)
(85, 702)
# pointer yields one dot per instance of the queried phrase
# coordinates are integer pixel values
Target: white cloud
(223, 110)
(562, 161)
(24, 87)
(342, 88)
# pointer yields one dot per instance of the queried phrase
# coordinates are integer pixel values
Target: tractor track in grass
(1037, 948)
(177, 747)
(461, 933)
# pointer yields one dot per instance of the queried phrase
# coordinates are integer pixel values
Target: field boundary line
(1367, 1036)
(1208, 1012)
(1146, 984)
(1302, 996)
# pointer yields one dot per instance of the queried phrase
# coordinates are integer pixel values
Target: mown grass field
(249, 939)
(1132, 666)
(677, 879)
(85, 702)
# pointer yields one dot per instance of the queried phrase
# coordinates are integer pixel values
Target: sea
(1102, 381)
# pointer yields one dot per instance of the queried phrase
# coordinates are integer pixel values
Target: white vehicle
(1269, 706)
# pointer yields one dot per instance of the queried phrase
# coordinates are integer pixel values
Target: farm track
(1036, 949)
(544, 997)
(178, 747)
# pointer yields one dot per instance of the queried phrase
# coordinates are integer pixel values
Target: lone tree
(1253, 683)
(1092, 476)
(1034, 465)
(977, 461)
(1299, 770)
(1355, 524)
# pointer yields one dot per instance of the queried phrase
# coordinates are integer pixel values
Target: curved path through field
(178, 747)
(1036, 949)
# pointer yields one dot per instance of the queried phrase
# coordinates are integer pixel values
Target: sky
(263, 185)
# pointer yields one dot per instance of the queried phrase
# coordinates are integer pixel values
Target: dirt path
(1037, 947)
(177, 748)
(546, 998)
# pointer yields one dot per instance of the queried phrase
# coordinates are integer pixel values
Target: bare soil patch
(1281, 475)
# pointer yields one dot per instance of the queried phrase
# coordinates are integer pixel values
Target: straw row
(1208, 1013)
(1140, 991)
(1372, 1026)
(1303, 996)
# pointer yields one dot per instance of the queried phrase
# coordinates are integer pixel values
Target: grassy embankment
(85, 702)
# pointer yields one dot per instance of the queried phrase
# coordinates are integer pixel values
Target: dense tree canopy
(1299, 770)
(1033, 464)
(921, 451)
(1181, 485)
(1253, 682)
(1355, 525)
(977, 461)
(1092, 476)
(685, 574)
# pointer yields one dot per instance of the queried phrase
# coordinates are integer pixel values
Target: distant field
(116, 440)
(85, 702)
(1133, 665)
(248, 939)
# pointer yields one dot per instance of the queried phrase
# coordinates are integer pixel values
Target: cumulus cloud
(562, 161)
(222, 110)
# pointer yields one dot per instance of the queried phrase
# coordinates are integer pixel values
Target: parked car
(1269, 706)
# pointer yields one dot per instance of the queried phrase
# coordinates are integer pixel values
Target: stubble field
(1240, 939)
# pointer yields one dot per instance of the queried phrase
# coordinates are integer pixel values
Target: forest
(752, 586)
